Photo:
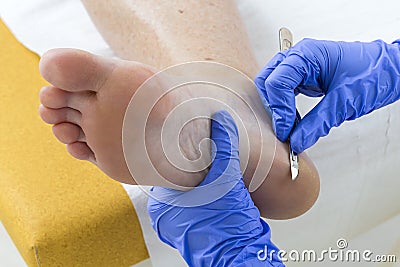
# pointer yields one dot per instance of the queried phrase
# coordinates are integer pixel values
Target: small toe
(55, 98)
(68, 133)
(80, 150)
(56, 116)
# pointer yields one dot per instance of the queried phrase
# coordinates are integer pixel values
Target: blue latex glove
(354, 78)
(220, 226)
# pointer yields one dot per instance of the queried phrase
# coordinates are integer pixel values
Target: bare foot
(86, 103)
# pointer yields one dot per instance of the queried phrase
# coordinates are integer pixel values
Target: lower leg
(163, 33)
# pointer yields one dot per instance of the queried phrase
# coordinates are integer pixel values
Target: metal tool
(285, 39)
(285, 42)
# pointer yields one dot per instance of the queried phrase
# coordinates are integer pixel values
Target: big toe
(75, 70)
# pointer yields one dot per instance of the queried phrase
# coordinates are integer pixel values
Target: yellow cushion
(58, 211)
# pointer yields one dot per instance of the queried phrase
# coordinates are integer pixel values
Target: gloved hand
(216, 223)
(354, 78)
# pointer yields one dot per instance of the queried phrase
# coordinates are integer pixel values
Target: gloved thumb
(224, 172)
(225, 148)
(330, 112)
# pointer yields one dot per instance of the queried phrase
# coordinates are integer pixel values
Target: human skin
(161, 34)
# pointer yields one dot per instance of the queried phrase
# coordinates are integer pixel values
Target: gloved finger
(330, 112)
(280, 89)
(224, 134)
(263, 74)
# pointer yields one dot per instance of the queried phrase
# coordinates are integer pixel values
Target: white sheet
(357, 163)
